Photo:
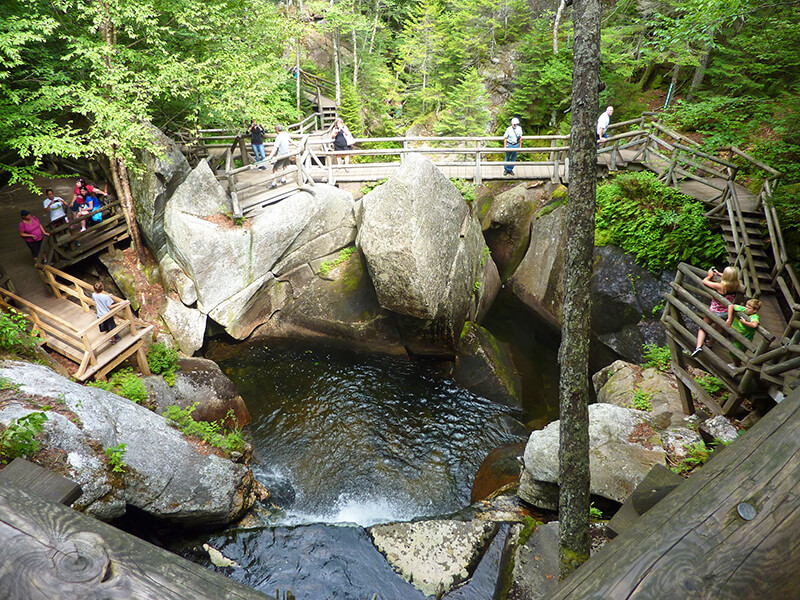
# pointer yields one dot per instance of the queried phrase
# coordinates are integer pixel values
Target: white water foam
(364, 512)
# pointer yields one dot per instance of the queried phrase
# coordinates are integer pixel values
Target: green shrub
(116, 456)
(712, 385)
(210, 432)
(656, 356)
(697, 455)
(642, 400)
(659, 225)
(124, 383)
(163, 361)
(465, 188)
(595, 513)
(14, 332)
(19, 438)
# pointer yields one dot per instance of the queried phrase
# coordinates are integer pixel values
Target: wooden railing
(688, 300)
(82, 344)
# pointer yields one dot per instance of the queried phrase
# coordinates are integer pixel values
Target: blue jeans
(258, 150)
(510, 157)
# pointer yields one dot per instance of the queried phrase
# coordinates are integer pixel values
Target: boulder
(163, 171)
(618, 382)
(677, 439)
(719, 428)
(626, 298)
(123, 278)
(173, 279)
(199, 381)
(623, 447)
(534, 571)
(484, 366)
(499, 469)
(506, 223)
(187, 325)
(425, 255)
(433, 555)
(166, 475)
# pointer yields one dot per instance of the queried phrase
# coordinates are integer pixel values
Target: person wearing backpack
(512, 138)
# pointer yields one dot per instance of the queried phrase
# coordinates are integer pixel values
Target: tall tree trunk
(336, 67)
(573, 354)
(699, 73)
(355, 60)
(557, 22)
(374, 26)
(122, 183)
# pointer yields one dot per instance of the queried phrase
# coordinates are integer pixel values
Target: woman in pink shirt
(31, 230)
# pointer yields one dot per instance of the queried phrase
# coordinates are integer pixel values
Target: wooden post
(141, 359)
(243, 150)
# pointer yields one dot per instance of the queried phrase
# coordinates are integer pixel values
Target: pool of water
(351, 438)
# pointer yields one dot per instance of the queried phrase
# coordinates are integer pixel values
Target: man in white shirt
(280, 148)
(512, 138)
(54, 206)
(602, 124)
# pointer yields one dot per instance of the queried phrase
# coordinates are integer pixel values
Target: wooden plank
(53, 552)
(696, 544)
(40, 482)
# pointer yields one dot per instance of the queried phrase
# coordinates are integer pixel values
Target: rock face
(200, 381)
(535, 570)
(499, 469)
(484, 366)
(625, 297)
(165, 475)
(434, 556)
(187, 325)
(152, 186)
(617, 383)
(623, 447)
(425, 255)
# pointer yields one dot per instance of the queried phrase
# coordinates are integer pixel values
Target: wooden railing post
(243, 149)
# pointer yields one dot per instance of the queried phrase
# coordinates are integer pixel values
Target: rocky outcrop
(425, 255)
(719, 429)
(187, 325)
(165, 474)
(434, 556)
(534, 573)
(499, 470)
(484, 366)
(199, 381)
(164, 170)
(623, 447)
(625, 297)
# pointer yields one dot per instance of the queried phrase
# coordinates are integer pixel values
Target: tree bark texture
(573, 354)
(119, 173)
(699, 73)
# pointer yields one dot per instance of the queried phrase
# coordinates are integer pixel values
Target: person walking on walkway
(257, 139)
(603, 123)
(279, 149)
(31, 230)
(342, 139)
(727, 287)
(512, 138)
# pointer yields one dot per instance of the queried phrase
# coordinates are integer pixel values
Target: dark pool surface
(342, 437)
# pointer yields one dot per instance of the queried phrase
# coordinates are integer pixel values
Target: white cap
(515, 121)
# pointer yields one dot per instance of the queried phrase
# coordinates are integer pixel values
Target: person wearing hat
(512, 138)
(31, 230)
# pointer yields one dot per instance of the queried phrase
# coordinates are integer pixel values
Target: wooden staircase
(758, 236)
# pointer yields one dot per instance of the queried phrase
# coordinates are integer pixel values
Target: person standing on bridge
(279, 149)
(257, 139)
(31, 230)
(512, 138)
(55, 207)
(727, 287)
(342, 139)
(603, 123)
(103, 303)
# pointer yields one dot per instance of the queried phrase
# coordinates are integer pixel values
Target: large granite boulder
(484, 366)
(187, 325)
(426, 256)
(618, 382)
(623, 447)
(626, 298)
(164, 169)
(434, 555)
(199, 381)
(165, 475)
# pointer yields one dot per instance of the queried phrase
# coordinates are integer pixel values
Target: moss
(328, 265)
(569, 560)
(560, 193)
(549, 207)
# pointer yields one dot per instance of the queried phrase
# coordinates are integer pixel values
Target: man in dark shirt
(257, 139)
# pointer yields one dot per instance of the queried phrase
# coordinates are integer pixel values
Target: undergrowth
(656, 356)
(660, 226)
(17, 335)
(124, 383)
(19, 438)
(329, 265)
(163, 361)
(212, 433)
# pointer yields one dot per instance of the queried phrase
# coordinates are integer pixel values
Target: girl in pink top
(727, 287)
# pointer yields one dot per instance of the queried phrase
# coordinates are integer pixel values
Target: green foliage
(656, 223)
(19, 438)
(238, 221)
(163, 361)
(467, 108)
(15, 336)
(656, 356)
(713, 386)
(465, 188)
(595, 513)
(7, 384)
(210, 432)
(696, 456)
(368, 187)
(658, 308)
(642, 400)
(344, 255)
(124, 383)
(116, 457)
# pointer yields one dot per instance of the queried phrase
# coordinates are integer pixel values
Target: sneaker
(274, 184)
(506, 173)
(283, 179)
(732, 366)
(696, 352)
(262, 168)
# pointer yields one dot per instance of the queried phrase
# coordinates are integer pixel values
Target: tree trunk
(557, 22)
(355, 60)
(119, 173)
(336, 67)
(573, 354)
(699, 73)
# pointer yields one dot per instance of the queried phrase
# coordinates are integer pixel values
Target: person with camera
(257, 139)
(54, 206)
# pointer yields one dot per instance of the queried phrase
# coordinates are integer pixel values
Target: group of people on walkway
(85, 201)
(280, 149)
(743, 318)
